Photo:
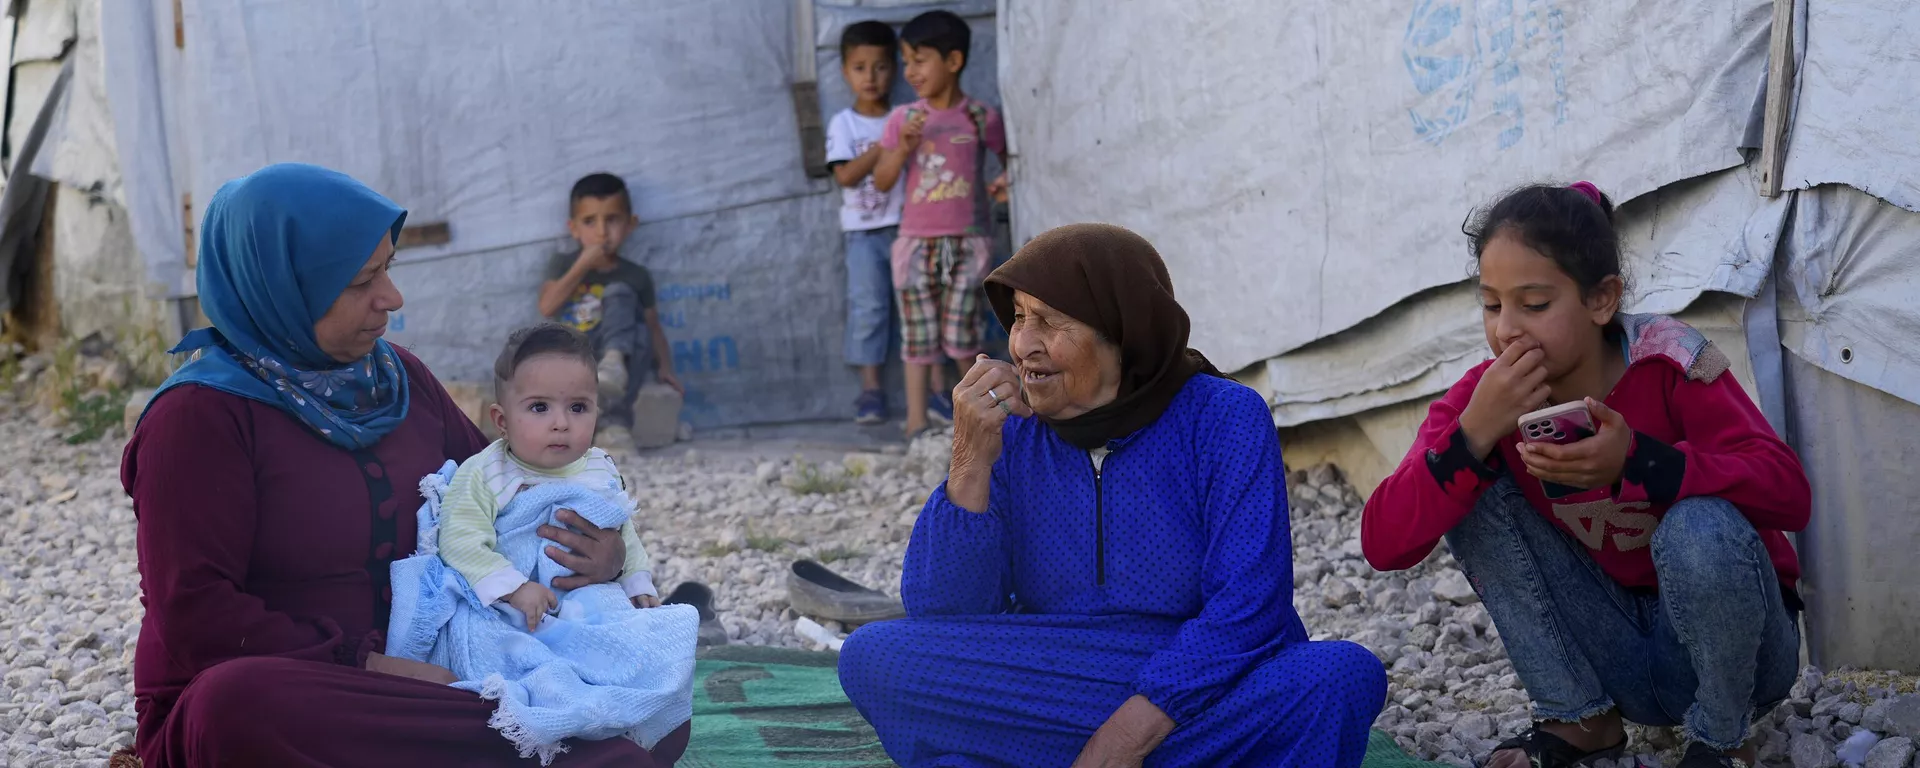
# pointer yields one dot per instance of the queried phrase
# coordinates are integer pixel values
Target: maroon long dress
(263, 569)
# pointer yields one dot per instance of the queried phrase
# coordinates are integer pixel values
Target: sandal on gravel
(1545, 750)
(701, 598)
(1702, 756)
(815, 591)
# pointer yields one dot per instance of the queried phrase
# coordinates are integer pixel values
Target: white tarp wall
(98, 281)
(1306, 165)
(482, 115)
(1305, 169)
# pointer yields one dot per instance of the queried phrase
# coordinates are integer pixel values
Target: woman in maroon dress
(275, 477)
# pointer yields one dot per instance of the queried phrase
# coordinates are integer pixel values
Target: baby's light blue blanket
(600, 669)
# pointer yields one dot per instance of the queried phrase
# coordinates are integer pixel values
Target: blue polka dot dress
(1167, 573)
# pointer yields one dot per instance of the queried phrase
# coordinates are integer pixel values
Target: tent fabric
(1857, 551)
(137, 80)
(42, 35)
(23, 202)
(80, 151)
(1853, 120)
(455, 112)
(1417, 349)
(45, 30)
(1849, 272)
(752, 299)
(1709, 234)
(1310, 165)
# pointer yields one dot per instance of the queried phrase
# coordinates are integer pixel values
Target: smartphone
(1559, 425)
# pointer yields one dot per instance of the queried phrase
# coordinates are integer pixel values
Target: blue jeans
(869, 295)
(1714, 647)
(622, 329)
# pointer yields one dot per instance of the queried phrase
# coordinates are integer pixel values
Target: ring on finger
(993, 394)
(1004, 407)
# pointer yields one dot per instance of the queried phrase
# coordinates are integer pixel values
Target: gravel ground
(69, 598)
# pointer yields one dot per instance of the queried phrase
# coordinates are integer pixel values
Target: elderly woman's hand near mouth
(984, 399)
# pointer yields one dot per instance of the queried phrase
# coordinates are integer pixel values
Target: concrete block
(656, 416)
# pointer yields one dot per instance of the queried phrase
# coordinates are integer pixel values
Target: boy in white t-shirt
(870, 217)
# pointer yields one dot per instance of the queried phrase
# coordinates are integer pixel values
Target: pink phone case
(1559, 425)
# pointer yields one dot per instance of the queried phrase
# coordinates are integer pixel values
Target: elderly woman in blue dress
(1106, 577)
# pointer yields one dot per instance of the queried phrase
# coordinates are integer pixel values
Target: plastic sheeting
(483, 114)
(457, 113)
(23, 203)
(461, 114)
(142, 77)
(751, 299)
(1710, 234)
(1854, 120)
(1308, 166)
(1858, 446)
(1849, 276)
(79, 151)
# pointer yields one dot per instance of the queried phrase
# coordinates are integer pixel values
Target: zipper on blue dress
(1099, 529)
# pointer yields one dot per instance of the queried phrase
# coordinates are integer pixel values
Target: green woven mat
(758, 707)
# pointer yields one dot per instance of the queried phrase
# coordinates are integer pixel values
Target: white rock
(1903, 716)
(1896, 752)
(1340, 593)
(93, 737)
(1875, 717)
(1810, 750)
(1453, 587)
(1474, 726)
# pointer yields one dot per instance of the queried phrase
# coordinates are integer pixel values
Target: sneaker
(870, 407)
(940, 408)
(613, 375)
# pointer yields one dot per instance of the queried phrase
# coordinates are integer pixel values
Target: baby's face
(555, 405)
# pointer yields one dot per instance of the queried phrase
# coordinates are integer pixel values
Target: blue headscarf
(277, 248)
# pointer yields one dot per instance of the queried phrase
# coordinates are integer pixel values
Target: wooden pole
(1780, 76)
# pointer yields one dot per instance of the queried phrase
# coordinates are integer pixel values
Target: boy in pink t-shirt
(939, 144)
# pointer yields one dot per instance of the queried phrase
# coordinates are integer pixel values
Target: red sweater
(257, 538)
(1695, 434)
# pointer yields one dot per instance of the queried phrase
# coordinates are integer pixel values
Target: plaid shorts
(938, 281)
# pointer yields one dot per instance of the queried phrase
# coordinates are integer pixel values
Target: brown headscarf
(1113, 280)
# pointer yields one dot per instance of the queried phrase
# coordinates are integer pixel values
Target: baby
(547, 395)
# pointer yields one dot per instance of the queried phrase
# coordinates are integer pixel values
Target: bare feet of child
(534, 601)
(646, 601)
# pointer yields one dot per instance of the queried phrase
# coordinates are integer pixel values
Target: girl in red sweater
(1641, 572)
